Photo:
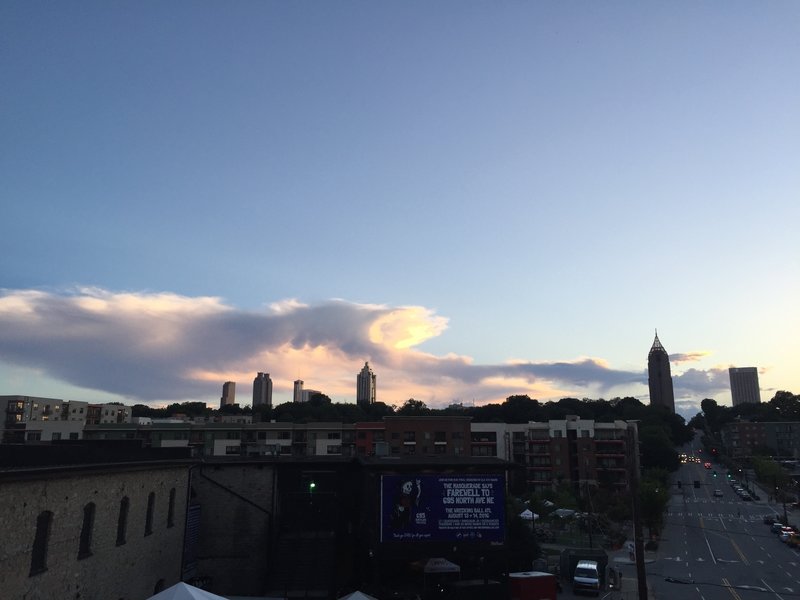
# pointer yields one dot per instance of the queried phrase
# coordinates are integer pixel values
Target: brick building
(92, 531)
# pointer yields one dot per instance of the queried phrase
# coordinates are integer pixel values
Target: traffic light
(715, 473)
(311, 487)
(729, 475)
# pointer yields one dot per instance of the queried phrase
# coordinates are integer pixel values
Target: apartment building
(573, 450)
(35, 419)
(743, 438)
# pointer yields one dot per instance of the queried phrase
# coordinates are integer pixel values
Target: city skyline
(480, 200)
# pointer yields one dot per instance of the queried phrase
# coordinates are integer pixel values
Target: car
(718, 493)
(770, 519)
(707, 465)
(785, 533)
(776, 527)
(746, 497)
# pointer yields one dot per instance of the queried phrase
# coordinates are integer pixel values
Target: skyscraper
(365, 386)
(228, 393)
(298, 391)
(262, 390)
(659, 377)
(744, 385)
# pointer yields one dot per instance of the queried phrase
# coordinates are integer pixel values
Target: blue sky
(480, 198)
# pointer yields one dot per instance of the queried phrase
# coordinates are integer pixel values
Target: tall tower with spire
(659, 377)
(365, 386)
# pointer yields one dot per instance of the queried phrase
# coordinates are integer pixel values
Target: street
(715, 548)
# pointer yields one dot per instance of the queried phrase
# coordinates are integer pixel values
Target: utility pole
(633, 478)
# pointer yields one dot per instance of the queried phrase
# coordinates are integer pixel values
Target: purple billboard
(443, 508)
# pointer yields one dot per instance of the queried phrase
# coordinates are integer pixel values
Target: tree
(653, 496)
(657, 449)
(413, 407)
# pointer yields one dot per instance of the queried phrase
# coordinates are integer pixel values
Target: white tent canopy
(441, 565)
(358, 596)
(528, 515)
(184, 591)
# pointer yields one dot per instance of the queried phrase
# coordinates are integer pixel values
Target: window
(74, 435)
(585, 433)
(334, 449)
(151, 505)
(439, 436)
(122, 521)
(457, 435)
(56, 436)
(171, 509)
(85, 548)
(232, 450)
(409, 436)
(34, 436)
(44, 523)
(362, 435)
(334, 435)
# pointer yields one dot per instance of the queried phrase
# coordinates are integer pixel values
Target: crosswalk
(731, 516)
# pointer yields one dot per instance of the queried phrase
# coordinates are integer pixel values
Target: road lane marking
(771, 590)
(705, 537)
(727, 584)
(739, 552)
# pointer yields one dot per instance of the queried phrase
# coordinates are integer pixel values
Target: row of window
(44, 525)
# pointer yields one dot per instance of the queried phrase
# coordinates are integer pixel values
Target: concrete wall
(129, 571)
(236, 507)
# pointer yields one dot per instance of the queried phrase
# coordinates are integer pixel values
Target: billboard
(443, 508)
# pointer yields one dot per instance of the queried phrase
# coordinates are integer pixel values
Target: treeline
(783, 407)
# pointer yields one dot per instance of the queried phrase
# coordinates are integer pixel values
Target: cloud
(163, 347)
(705, 383)
(685, 357)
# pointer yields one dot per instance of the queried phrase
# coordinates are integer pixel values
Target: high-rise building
(298, 391)
(228, 394)
(262, 390)
(659, 377)
(365, 386)
(744, 385)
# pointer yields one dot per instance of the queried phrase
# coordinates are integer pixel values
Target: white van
(586, 578)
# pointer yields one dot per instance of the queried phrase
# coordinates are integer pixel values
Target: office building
(744, 385)
(228, 394)
(262, 390)
(659, 377)
(298, 391)
(365, 386)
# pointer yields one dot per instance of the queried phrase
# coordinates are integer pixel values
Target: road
(719, 547)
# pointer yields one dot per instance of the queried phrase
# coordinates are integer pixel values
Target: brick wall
(129, 571)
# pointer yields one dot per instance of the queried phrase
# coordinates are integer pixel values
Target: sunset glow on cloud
(160, 347)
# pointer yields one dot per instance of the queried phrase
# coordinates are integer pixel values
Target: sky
(479, 198)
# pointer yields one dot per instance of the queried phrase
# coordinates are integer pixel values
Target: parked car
(770, 519)
(785, 533)
(718, 493)
(776, 527)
